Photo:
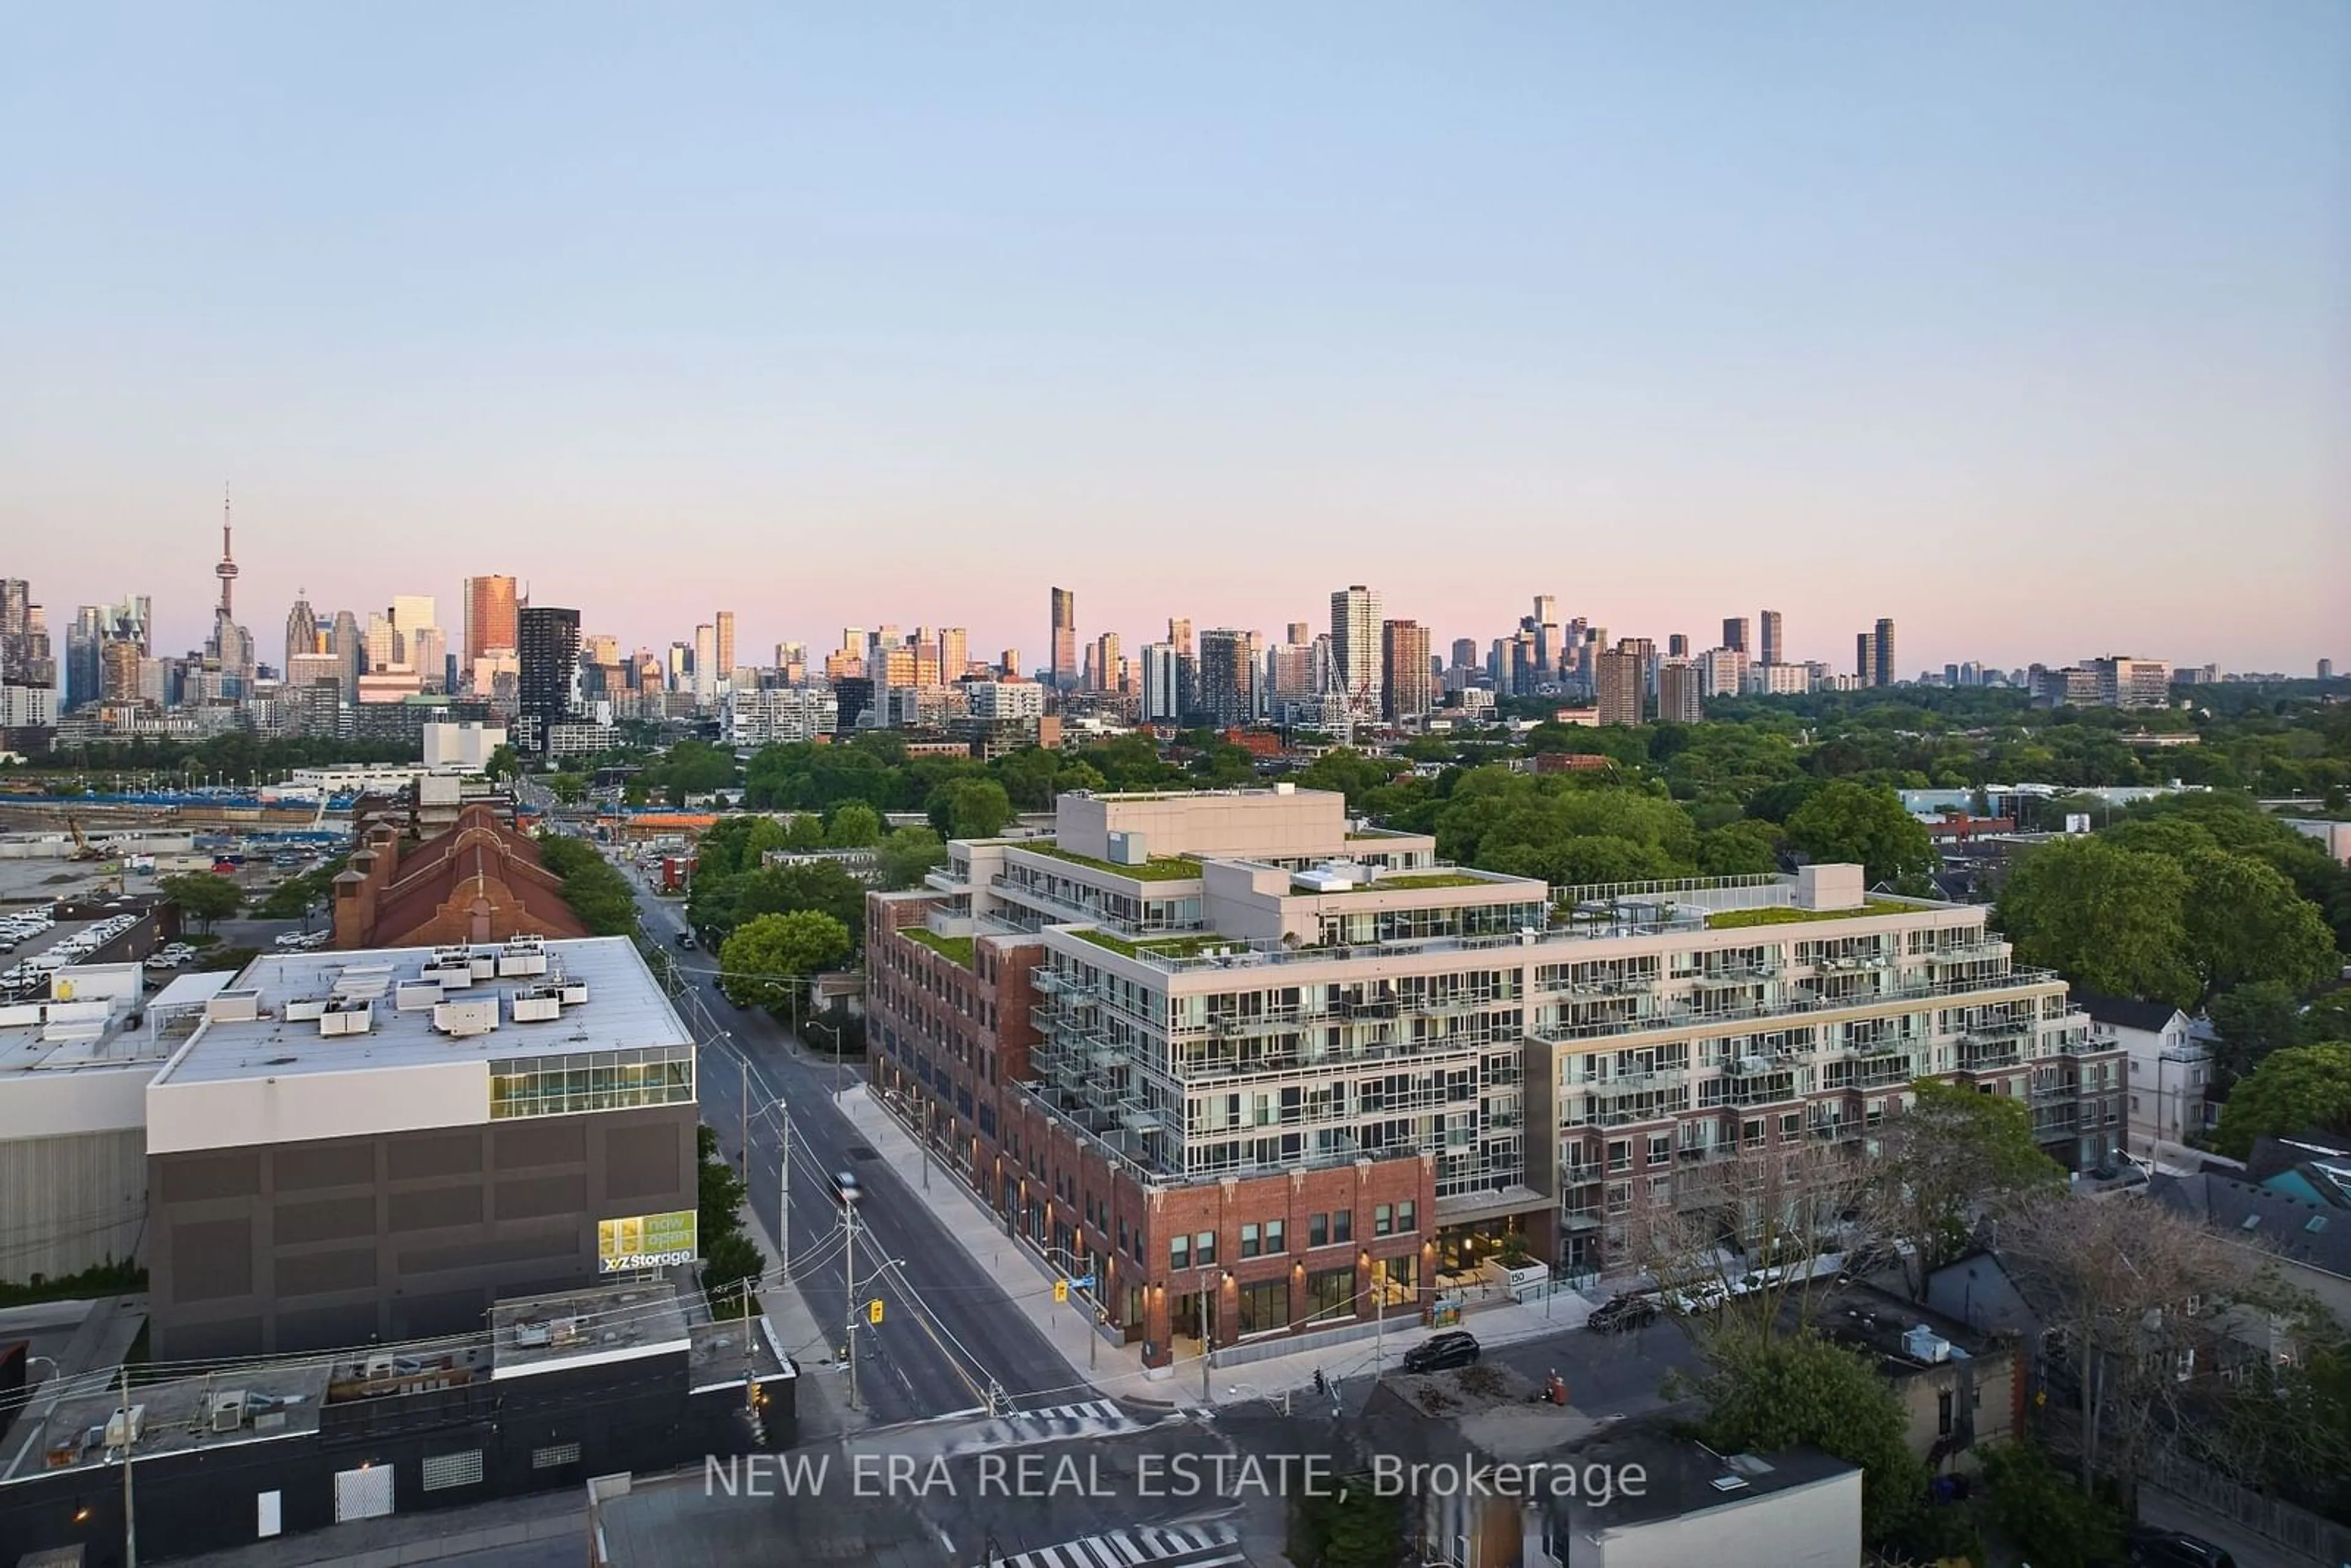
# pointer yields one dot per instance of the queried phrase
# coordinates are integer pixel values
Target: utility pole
(783, 1197)
(130, 1528)
(743, 1162)
(849, 1277)
(1207, 1343)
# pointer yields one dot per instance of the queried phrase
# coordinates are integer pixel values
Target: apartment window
(1343, 1225)
(1203, 1248)
(1383, 1220)
(1249, 1241)
(1179, 1252)
(1792, 1124)
(1661, 1149)
(1330, 1292)
(1264, 1305)
(1273, 1244)
(1620, 1155)
(1318, 1231)
(1753, 1133)
(1407, 1222)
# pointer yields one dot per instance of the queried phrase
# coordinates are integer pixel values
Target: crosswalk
(1212, 1544)
(1058, 1423)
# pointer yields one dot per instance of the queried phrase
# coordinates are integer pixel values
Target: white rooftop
(292, 1014)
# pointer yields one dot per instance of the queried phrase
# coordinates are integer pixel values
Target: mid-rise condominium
(1356, 648)
(1257, 1068)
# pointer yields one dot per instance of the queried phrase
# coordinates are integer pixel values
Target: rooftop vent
(233, 1007)
(416, 995)
(347, 1018)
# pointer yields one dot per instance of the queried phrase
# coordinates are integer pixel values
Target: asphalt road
(949, 1333)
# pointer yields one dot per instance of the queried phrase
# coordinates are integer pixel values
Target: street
(948, 1331)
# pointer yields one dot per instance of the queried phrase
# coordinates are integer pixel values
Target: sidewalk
(1026, 1278)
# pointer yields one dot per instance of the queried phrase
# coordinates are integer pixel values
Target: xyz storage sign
(646, 1241)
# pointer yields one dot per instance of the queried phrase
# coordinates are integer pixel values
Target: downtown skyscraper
(1355, 649)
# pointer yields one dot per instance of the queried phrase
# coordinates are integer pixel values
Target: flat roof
(281, 1400)
(49, 1038)
(625, 1009)
(597, 1324)
(1681, 1478)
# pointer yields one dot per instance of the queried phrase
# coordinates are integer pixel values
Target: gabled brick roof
(480, 859)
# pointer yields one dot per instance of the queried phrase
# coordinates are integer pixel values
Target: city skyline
(1528, 291)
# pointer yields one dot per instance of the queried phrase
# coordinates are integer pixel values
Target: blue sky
(2027, 326)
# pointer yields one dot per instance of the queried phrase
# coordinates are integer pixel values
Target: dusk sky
(2027, 325)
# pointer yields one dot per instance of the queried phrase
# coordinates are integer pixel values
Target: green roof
(1416, 879)
(957, 948)
(1781, 914)
(1157, 946)
(1158, 868)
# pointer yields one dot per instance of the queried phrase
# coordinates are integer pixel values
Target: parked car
(1443, 1352)
(686, 941)
(2172, 1548)
(1623, 1312)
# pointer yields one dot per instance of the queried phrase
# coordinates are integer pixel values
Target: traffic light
(874, 1310)
(1061, 1290)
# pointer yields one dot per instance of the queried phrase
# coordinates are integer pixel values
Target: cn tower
(227, 570)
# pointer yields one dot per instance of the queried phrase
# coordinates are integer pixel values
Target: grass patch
(1155, 946)
(956, 949)
(1159, 868)
(1411, 881)
(1731, 919)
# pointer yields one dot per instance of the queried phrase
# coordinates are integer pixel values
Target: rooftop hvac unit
(228, 1412)
(522, 961)
(125, 1427)
(573, 993)
(531, 1336)
(416, 996)
(450, 976)
(347, 1018)
(233, 1007)
(464, 1020)
(301, 1009)
(535, 1006)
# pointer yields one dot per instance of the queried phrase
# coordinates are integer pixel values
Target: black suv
(1623, 1312)
(1443, 1354)
(2170, 1549)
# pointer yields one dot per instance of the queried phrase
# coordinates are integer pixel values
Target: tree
(854, 826)
(772, 957)
(2031, 1501)
(1851, 823)
(907, 854)
(596, 893)
(1351, 773)
(203, 896)
(1952, 1160)
(2107, 917)
(501, 763)
(1765, 1394)
(2113, 1280)
(2245, 922)
(970, 808)
(1351, 1525)
(2303, 1089)
(569, 788)
(2252, 1020)
(728, 1257)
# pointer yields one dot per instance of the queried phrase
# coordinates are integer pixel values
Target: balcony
(1579, 1220)
(946, 879)
(1990, 1052)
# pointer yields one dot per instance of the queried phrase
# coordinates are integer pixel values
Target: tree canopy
(2303, 1089)
(1765, 1394)
(600, 895)
(1855, 824)
(771, 956)
(203, 896)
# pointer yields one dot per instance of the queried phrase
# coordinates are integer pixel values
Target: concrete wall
(1815, 1526)
(335, 1241)
(1244, 824)
(72, 1201)
(231, 1113)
